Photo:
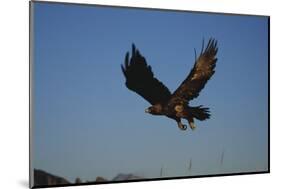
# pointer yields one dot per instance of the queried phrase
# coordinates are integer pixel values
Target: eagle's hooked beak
(147, 110)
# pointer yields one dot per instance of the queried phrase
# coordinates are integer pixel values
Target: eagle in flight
(140, 79)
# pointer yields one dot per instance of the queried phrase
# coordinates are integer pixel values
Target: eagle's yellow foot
(192, 125)
(182, 126)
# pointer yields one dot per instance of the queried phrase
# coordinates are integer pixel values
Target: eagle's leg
(191, 124)
(182, 126)
(179, 110)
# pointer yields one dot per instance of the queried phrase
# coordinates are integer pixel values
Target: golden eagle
(140, 79)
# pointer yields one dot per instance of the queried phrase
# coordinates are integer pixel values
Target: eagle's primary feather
(140, 79)
(201, 72)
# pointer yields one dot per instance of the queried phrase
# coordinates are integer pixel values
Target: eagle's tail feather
(200, 113)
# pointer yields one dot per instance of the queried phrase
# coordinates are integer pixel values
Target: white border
(14, 91)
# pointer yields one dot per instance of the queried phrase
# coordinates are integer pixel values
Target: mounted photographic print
(122, 94)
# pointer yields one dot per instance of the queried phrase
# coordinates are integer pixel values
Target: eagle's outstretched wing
(140, 79)
(201, 72)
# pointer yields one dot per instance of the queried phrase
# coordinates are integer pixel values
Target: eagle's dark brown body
(140, 79)
(179, 111)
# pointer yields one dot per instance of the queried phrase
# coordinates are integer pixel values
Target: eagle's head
(155, 109)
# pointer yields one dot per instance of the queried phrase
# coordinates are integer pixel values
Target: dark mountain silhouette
(122, 176)
(101, 179)
(42, 178)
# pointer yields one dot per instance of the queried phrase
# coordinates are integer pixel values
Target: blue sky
(88, 124)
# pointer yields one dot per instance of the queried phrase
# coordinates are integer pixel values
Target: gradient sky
(88, 124)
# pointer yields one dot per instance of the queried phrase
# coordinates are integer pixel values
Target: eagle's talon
(182, 126)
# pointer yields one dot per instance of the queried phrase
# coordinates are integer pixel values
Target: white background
(14, 91)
